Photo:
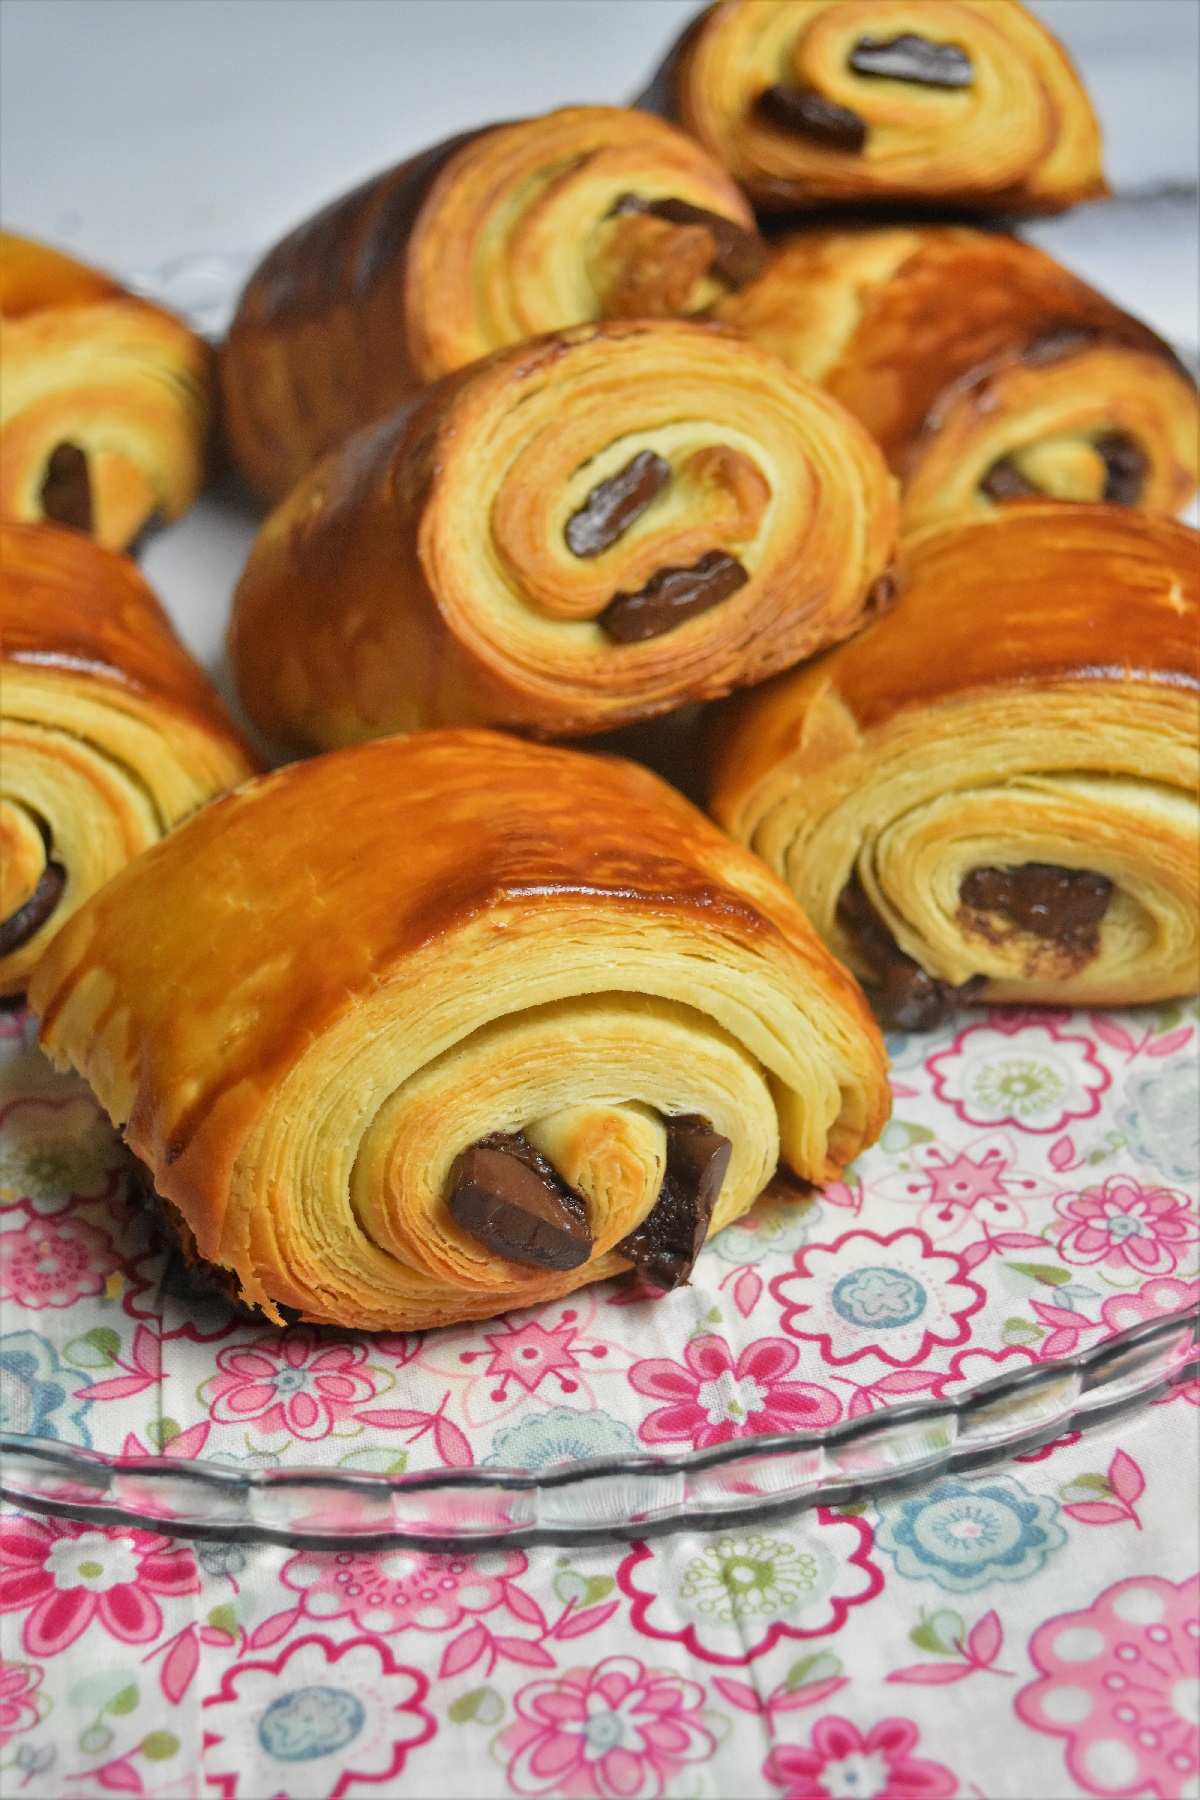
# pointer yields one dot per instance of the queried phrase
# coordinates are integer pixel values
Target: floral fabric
(1033, 1193)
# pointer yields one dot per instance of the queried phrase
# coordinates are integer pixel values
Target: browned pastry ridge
(968, 103)
(485, 240)
(984, 369)
(105, 399)
(110, 733)
(575, 533)
(991, 792)
(468, 1022)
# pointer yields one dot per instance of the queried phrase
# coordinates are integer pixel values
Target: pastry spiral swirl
(110, 732)
(579, 532)
(968, 102)
(394, 955)
(984, 369)
(105, 400)
(486, 240)
(996, 784)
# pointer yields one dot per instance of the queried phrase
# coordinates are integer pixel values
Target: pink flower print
(54, 1262)
(1022, 1072)
(293, 1383)
(400, 1589)
(1164, 1294)
(842, 1764)
(711, 1398)
(618, 1730)
(315, 1723)
(1120, 1682)
(68, 1574)
(963, 1191)
(20, 1703)
(527, 1353)
(889, 1298)
(1125, 1227)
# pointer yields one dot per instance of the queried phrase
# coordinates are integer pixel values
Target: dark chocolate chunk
(1056, 343)
(614, 504)
(517, 1205)
(1128, 466)
(671, 597)
(739, 255)
(1064, 906)
(20, 926)
(908, 996)
(804, 113)
(912, 58)
(665, 1245)
(1004, 481)
(66, 494)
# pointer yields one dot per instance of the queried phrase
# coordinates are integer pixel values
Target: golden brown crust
(122, 385)
(961, 349)
(1019, 137)
(422, 576)
(111, 731)
(1032, 698)
(489, 238)
(388, 952)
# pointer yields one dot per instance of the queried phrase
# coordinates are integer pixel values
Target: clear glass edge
(634, 1496)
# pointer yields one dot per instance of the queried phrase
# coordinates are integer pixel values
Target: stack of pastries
(566, 424)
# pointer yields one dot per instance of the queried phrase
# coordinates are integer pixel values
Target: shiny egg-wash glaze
(1000, 776)
(963, 103)
(105, 399)
(983, 369)
(424, 574)
(490, 238)
(110, 732)
(391, 953)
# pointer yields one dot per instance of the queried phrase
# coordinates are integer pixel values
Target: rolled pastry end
(592, 528)
(992, 793)
(109, 732)
(471, 1022)
(107, 400)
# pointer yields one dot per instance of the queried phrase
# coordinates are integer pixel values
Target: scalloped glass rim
(634, 1496)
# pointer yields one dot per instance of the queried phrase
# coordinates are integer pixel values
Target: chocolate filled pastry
(572, 534)
(486, 240)
(991, 794)
(105, 399)
(110, 732)
(469, 1022)
(985, 370)
(966, 103)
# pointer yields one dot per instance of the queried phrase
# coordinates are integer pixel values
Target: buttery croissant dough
(393, 952)
(485, 240)
(995, 785)
(984, 369)
(110, 732)
(472, 561)
(968, 102)
(105, 399)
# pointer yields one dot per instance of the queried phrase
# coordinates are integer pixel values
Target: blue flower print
(965, 1534)
(1161, 1118)
(561, 1435)
(310, 1722)
(37, 1395)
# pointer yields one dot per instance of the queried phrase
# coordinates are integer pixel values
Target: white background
(172, 140)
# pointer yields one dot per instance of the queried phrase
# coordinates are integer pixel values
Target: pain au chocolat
(969, 103)
(469, 1022)
(574, 533)
(991, 793)
(486, 240)
(984, 369)
(105, 399)
(110, 733)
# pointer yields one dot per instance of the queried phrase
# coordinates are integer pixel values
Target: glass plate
(1015, 1259)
